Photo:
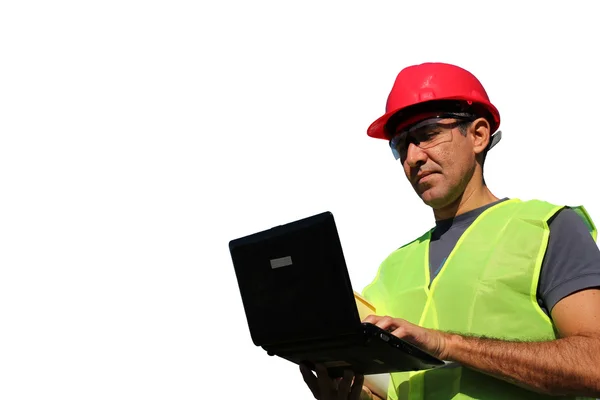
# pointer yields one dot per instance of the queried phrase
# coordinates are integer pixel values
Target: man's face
(438, 159)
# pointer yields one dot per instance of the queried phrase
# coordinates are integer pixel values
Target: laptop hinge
(314, 343)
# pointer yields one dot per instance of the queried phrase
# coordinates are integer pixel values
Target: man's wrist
(367, 394)
(453, 345)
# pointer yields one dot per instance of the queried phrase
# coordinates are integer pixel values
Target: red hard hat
(431, 82)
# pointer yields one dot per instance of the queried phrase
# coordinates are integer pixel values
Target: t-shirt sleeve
(571, 262)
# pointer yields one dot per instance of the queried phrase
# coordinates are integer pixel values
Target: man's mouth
(423, 176)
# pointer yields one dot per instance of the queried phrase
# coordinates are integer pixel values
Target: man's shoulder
(572, 258)
(565, 217)
(425, 236)
(540, 204)
(407, 247)
(568, 220)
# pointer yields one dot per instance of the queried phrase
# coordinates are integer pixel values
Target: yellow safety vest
(487, 286)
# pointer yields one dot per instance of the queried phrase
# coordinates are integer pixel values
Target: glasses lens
(425, 135)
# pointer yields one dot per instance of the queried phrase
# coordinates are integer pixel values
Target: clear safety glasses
(427, 133)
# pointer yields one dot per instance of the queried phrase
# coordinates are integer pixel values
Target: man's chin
(432, 197)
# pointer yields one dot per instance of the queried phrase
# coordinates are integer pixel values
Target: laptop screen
(294, 283)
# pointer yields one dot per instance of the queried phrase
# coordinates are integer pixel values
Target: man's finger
(387, 323)
(310, 379)
(401, 333)
(325, 383)
(345, 384)
(371, 318)
(357, 386)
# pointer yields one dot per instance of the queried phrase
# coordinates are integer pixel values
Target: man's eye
(432, 134)
(426, 136)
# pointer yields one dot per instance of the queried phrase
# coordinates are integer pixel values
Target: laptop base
(370, 350)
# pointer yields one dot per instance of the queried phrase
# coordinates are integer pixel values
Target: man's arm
(568, 366)
(571, 265)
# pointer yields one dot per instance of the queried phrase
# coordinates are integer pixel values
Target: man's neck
(471, 199)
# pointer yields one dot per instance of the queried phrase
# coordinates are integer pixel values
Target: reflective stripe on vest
(487, 287)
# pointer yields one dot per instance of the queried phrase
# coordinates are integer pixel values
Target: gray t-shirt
(571, 262)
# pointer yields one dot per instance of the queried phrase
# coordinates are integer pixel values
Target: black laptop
(300, 305)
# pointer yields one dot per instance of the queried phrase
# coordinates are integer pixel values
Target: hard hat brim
(377, 129)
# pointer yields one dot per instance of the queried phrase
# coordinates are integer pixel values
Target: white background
(138, 138)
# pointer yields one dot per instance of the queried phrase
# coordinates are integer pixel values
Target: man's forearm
(567, 366)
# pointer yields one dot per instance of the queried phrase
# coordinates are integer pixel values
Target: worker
(507, 291)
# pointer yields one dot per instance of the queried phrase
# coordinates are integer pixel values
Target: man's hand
(432, 341)
(349, 387)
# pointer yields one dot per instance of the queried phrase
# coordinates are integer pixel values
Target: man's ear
(480, 134)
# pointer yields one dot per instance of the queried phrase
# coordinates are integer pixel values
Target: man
(504, 289)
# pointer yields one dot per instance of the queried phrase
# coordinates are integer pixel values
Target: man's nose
(415, 156)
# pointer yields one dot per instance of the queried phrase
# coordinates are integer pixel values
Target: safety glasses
(427, 133)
